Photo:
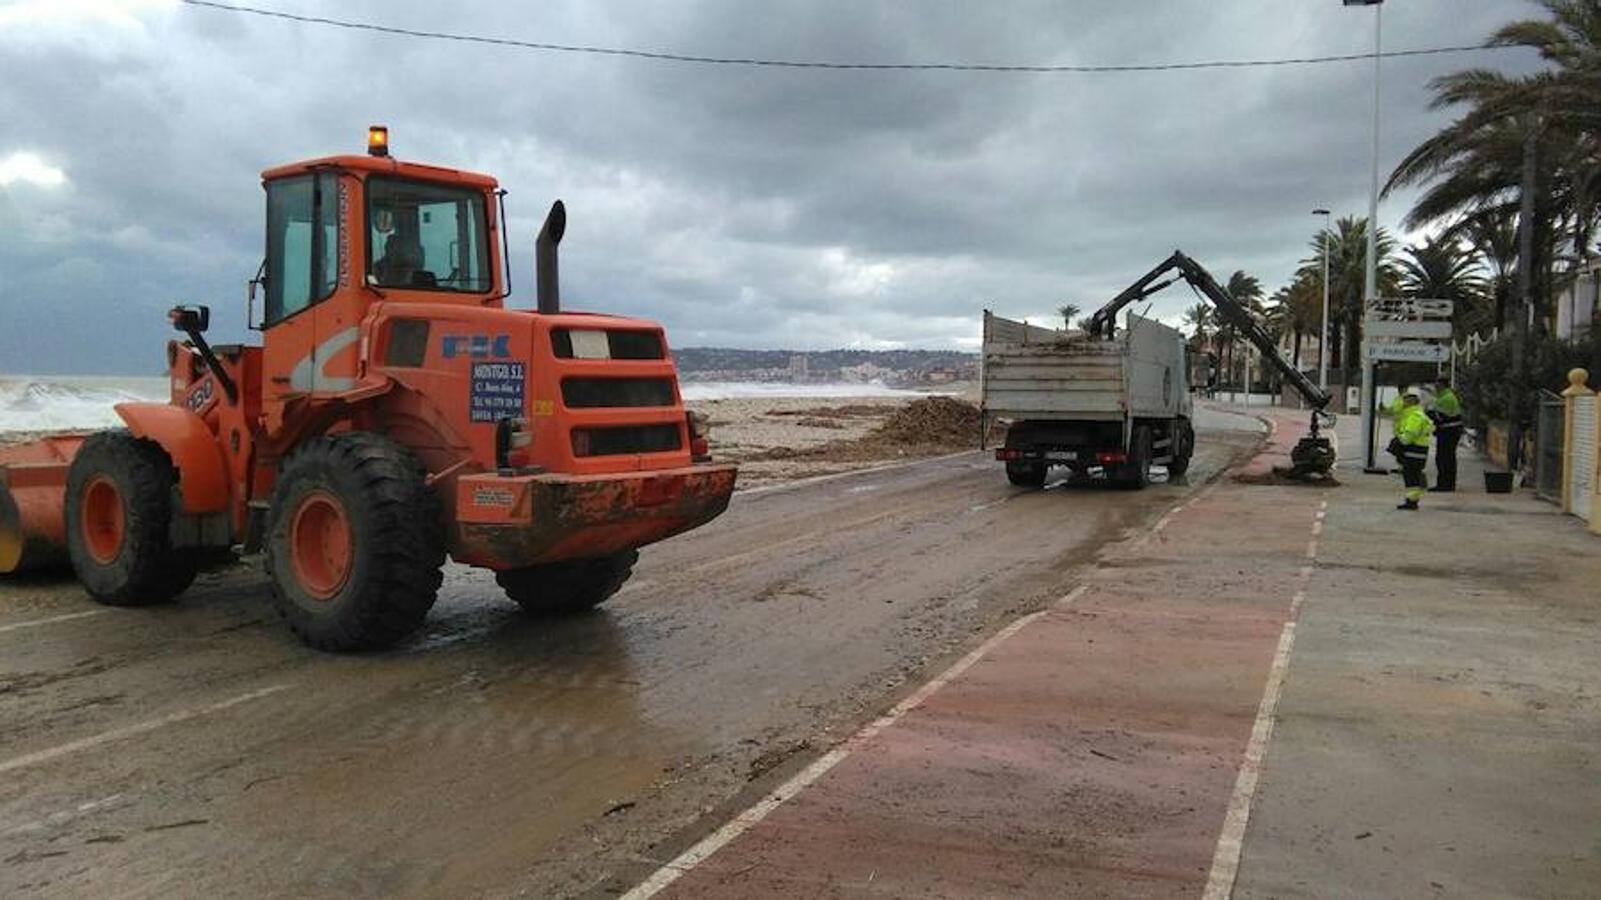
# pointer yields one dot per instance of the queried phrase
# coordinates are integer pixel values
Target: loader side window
(302, 243)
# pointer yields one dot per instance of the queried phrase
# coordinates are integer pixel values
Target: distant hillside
(693, 360)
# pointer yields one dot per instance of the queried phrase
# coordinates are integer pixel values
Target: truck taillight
(700, 436)
(1007, 455)
(1111, 458)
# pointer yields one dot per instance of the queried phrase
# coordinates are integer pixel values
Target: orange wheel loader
(395, 412)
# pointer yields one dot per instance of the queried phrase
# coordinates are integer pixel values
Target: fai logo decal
(477, 346)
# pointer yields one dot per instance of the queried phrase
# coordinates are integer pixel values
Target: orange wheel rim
(319, 545)
(102, 520)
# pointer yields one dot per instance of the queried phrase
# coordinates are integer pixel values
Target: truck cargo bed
(1039, 373)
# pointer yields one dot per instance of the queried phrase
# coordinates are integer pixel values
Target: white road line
(127, 731)
(1231, 841)
(52, 620)
(834, 476)
(700, 852)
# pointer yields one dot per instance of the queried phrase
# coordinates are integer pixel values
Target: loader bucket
(33, 493)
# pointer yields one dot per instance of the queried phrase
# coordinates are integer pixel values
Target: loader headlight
(700, 436)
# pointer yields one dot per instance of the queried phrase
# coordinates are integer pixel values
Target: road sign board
(1408, 351)
(1437, 330)
(1410, 308)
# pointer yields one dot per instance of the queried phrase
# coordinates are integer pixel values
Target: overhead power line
(661, 56)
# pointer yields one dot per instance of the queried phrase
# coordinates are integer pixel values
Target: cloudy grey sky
(741, 207)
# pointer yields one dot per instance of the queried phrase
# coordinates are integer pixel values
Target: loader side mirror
(191, 319)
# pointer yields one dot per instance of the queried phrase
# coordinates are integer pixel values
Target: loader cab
(345, 232)
(377, 228)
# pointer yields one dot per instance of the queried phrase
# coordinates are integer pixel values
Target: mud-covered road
(198, 749)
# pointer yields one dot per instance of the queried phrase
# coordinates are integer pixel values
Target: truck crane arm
(1313, 455)
(1182, 266)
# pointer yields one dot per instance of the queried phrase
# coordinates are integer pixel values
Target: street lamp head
(1320, 212)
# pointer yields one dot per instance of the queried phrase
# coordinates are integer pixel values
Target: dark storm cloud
(747, 207)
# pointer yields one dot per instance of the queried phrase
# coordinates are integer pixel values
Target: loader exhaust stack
(546, 274)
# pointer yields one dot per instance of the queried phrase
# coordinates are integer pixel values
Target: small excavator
(1313, 457)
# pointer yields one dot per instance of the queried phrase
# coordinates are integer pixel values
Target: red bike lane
(1105, 745)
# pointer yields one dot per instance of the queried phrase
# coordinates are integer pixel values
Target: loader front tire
(119, 509)
(355, 542)
(568, 587)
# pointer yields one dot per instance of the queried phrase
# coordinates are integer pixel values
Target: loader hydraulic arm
(1182, 266)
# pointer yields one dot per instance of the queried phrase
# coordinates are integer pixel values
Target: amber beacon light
(378, 140)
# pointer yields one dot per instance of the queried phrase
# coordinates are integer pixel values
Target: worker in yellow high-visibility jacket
(1446, 412)
(1413, 431)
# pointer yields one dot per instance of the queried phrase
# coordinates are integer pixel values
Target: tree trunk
(1520, 314)
(1297, 351)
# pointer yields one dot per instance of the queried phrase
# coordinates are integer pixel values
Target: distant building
(941, 375)
(865, 373)
(798, 370)
(1576, 306)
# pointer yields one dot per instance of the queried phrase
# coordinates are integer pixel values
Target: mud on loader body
(395, 412)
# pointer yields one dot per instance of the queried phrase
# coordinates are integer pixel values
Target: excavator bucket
(33, 493)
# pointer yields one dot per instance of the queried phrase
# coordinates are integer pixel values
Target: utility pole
(1520, 325)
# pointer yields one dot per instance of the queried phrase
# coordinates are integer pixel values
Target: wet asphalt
(197, 748)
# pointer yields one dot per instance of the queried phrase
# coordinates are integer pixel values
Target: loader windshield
(426, 236)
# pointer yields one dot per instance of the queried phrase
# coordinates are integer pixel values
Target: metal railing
(1548, 449)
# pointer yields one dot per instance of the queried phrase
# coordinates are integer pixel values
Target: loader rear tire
(1029, 475)
(119, 509)
(568, 587)
(355, 543)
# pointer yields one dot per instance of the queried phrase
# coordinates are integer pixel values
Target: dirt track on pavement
(199, 749)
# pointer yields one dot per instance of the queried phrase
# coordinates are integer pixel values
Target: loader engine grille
(593, 393)
(578, 343)
(626, 439)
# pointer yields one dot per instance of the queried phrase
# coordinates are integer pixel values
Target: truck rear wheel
(354, 545)
(119, 514)
(1183, 449)
(1136, 473)
(1024, 474)
(568, 587)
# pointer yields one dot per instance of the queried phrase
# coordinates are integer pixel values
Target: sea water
(69, 402)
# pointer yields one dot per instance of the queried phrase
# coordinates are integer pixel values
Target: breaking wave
(732, 390)
(31, 403)
(35, 403)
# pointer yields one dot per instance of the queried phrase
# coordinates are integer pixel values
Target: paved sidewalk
(1440, 728)
(1277, 691)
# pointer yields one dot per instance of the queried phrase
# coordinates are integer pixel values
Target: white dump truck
(1119, 401)
(1076, 399)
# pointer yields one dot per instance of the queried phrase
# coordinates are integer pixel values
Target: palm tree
(1297, 310)
(1440, 268)
(1475, 165)
(1198, 317)
(1494, 236)
(1247, 291)
(1068, 311)
(1348, 250)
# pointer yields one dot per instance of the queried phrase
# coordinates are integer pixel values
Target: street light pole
(1370, 287)
(1323, 336)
